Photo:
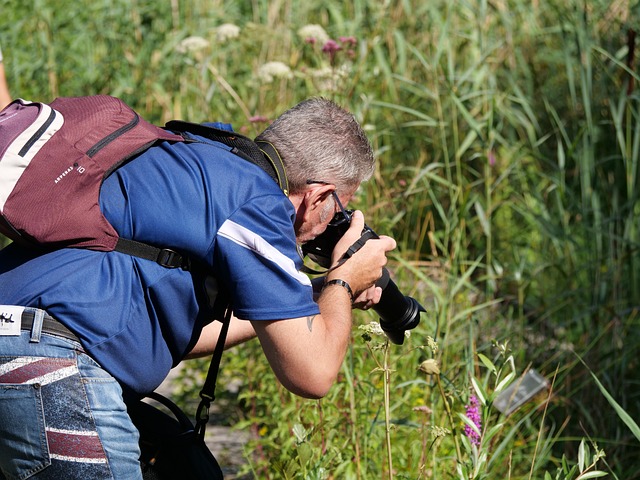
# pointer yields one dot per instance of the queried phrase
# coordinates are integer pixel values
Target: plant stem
(450, 416)
(387, 409)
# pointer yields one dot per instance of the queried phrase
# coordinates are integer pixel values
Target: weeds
(507, 136)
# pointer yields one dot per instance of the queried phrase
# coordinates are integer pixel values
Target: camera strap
(367, 234)
(207, 393)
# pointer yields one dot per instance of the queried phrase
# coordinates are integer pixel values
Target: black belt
(49, 325)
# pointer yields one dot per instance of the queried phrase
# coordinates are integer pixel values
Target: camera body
(320, 249)
(397, 312)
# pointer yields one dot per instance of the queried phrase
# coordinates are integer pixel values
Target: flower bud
(430, 367)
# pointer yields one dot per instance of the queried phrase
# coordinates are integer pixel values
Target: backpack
(54, 158)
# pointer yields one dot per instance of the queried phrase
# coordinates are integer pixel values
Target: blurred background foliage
(507, 136)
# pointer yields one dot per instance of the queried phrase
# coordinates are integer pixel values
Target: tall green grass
(507, 136)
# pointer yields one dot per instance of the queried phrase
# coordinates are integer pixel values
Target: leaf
(479, 391)
(300, 433)
(482, 217)
(480, 468)
(305, 454)
(493, 431)
(594, 474)
(469, 422)
(505, 381)
(582, 453)
(487, 363)
(624, 416)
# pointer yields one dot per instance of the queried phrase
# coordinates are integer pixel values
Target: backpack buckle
(171, 259)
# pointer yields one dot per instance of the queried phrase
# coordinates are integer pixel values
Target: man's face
(319, 209)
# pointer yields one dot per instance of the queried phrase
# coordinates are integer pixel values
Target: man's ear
(315, 197)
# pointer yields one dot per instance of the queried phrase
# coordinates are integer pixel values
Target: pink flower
(492, 158)
(331, 48)
(473, 414)
(349, 41)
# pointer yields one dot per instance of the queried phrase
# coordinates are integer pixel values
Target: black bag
(171, 448)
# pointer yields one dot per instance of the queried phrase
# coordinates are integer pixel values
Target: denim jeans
(61, 415)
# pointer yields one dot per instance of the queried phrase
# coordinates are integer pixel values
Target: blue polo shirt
(138, 319)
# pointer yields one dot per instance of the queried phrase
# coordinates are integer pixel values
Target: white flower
(192, 44)
(328, 79)
(372, 328)
(227, 31)
(271, 70)
(314, 31)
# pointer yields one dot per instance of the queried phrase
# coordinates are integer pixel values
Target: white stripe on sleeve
(252, 241)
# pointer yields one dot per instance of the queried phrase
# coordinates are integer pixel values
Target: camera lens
(398, 312)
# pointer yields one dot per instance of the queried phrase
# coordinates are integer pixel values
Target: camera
(397, 311)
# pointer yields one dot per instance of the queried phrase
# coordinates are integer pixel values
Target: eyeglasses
(341, 216)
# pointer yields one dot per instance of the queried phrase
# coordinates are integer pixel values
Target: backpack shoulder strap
(273, 156)
(165, 257)
(262, 154)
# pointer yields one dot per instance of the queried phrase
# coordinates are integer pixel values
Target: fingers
(364, 267)
(390, 243)
(368, 298)
(355, 228)
(350, 237)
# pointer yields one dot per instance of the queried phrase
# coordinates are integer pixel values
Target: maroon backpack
(54, 158)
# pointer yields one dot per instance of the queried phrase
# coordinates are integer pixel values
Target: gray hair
(319, 140)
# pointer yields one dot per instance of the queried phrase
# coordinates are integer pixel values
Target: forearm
(336, 315)
(306, 353)
(240, 331)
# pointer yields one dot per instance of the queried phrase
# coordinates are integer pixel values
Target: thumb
(350, 237)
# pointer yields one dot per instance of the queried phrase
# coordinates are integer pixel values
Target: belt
(49, 325)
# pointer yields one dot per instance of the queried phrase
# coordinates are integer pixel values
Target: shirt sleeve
(258, 258)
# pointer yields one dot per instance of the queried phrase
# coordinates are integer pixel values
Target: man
(130, 320)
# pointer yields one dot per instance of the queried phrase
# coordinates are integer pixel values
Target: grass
(507, 136)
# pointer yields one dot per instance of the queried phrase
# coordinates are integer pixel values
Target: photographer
(99, 328)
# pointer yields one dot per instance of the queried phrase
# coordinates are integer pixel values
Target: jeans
(61, 415)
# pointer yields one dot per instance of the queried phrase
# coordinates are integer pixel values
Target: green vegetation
(508, 144)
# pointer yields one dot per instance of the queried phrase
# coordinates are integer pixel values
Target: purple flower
(349, 41)
(258, 119)
(473, 414)
(492, 158)
(331, 48)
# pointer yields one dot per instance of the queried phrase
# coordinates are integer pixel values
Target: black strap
(262, 154)
(355, 246)
(277, 164)
(207, 394)
(165, 257)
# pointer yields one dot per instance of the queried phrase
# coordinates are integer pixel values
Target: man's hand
(363, 268)
(368, 298)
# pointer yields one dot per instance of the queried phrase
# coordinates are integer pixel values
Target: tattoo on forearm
(310, 321)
